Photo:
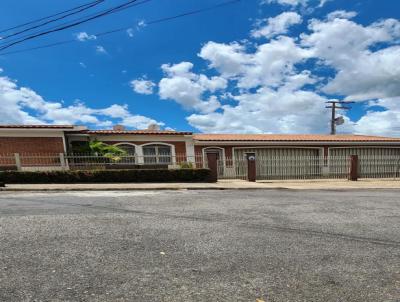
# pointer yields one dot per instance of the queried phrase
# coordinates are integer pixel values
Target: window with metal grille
(157, 154)
(129, 157)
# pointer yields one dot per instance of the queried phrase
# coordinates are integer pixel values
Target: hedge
(105, 176)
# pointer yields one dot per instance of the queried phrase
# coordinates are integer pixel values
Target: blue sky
(253, 66)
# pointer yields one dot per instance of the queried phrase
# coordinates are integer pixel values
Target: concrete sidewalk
(322, 184)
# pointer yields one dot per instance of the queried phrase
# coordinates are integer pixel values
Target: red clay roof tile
(142, 132)
(294, 137)
(37, 126)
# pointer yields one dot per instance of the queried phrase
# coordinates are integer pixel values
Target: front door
(220, 159)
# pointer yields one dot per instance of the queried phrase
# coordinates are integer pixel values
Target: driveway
(272, 245)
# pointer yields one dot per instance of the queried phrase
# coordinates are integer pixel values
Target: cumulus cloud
(268, 65)
(267, 111)
(362, 73)
(143, 86)
(273, 87)
(188, 88)
(84, 36)
(382, 122)
(21, 105)
(277, 25)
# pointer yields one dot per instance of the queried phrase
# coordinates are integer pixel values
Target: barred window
(157, 154)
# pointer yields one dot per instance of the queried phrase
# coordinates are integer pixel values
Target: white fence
(61, 161)
(311, 167)
(283, 167)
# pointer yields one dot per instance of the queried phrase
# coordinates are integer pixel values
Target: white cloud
(323, 2)
(271, 90)
(84, 36)
(21, 105)
(277, 25)
(287, 2)
(1, 70)
(142, 86)
(298, 3)
(100, 49)
(130, 32)
(141, 24)
(381, 122)
(228, 59)
(362, 73)
(188, 88)
(267, 111)
(83, 65)
(295, 3)
(268, 65)
(341, 14)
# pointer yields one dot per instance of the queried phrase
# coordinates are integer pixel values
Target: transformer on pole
(335, 121)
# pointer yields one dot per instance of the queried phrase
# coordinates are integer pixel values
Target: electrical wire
(45, 18)
(69, 25)
(52, 20)
(112, 31)
(75, 20)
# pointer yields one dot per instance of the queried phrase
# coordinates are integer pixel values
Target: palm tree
(112, 152)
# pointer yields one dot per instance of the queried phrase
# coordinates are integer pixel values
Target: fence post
(251, 167)
(63, 162)
(353, 173)
(18, 161)
(213, 166)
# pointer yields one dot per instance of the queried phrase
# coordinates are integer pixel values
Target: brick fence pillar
(213, 166)
(251, 167)
(353, 173)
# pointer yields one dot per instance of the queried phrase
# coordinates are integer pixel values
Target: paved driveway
(273, 245)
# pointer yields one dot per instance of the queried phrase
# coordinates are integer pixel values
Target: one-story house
(154, 146)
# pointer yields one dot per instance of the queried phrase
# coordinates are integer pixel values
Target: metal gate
(232, 168)
(373, 162)
(284, 163)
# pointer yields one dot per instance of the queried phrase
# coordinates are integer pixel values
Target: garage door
(284, 163)
(373, 162)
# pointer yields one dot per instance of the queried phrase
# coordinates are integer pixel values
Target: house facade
(63, 138)
(165, 147)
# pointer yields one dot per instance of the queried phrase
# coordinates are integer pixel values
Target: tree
(112, 152)
(100, 149)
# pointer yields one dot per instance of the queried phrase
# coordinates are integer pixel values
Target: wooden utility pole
(336, 105)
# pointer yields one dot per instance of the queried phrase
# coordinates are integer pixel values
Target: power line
(47, 17)
(53, 20)
(122, 6)
(112, 31)
(76, 20)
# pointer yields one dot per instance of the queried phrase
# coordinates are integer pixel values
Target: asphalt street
(271, 245)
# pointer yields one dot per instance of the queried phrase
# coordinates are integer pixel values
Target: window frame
(157, 155)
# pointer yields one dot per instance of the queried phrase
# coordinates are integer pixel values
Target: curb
(49, 190)
(136, 189)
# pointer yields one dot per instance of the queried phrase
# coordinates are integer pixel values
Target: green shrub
(186, 165)
(105, 176)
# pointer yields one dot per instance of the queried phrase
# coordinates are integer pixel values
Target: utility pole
(337, 120)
